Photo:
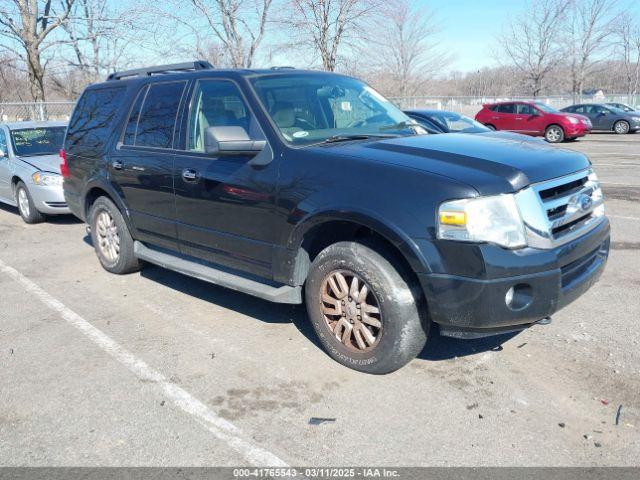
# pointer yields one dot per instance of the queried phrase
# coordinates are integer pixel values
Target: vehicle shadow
(54, 219)
(244, 304)
(437, 347)
(444, 348)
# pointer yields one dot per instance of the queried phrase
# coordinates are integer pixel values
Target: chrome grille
(560, 210)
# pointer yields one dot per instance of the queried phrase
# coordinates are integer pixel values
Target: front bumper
(574, 131)
(476, 307)
(49, 200)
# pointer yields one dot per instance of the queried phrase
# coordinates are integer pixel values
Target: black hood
(491, 165)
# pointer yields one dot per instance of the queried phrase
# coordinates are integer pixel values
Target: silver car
(30, 168)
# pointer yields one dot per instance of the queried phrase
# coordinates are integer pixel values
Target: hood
(490, 164)
(45, 163)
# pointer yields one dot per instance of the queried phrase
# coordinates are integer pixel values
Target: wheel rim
(108, 236)
(621, 127)
(351, 311)
(23, 202)
(553, 134)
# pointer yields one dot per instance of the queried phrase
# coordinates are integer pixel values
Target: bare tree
(405, 47)
(238, 25)
(628, 44)
(325, 25)
(589, 26)
(27, 24)
(531, 41)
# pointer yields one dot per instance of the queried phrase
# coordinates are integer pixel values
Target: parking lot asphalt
(158, 369)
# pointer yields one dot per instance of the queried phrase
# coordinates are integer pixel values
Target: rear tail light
(64, 168)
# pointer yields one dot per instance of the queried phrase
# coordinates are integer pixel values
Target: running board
(282, 294)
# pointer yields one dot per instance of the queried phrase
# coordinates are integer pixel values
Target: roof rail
(148, 71)
(285, 67)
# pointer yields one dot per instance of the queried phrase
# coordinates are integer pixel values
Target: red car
(535, 119)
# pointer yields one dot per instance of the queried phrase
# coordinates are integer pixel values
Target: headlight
(46, 179)
(573, 120)
(483, 219)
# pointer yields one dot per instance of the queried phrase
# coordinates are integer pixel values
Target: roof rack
(175, 67)
(285, 67)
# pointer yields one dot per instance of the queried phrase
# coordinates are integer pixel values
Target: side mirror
(231, 140)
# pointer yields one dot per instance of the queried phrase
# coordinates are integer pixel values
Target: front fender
(369, 219)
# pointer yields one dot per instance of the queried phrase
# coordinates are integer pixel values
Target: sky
(469, 27)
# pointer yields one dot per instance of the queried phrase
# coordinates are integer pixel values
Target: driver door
(224, 203)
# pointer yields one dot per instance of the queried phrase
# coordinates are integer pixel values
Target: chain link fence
(40, 111)
(471, 105)
(36, 111)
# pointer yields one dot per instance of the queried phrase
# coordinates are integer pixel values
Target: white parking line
(218, 426)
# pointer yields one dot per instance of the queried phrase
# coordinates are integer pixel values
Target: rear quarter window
(93, 120)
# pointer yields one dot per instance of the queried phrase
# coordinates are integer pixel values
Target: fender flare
(100, 183)
(390, 232)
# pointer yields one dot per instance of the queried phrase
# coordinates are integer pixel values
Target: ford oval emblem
(584, 202)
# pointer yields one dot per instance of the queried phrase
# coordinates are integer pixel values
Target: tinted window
(30, 142)
(132, 123)
(576, 109)
(218, 104)
(158, 115)
(92, 119)
(506, 108)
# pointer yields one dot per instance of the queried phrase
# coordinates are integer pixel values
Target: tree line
(50, 50)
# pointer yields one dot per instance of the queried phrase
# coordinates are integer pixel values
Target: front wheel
(490, 127)
(554, 134)
(621, 127)
(26, 206)
(111, 238)
(363, 310)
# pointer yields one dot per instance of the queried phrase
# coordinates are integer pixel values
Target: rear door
(505, 117)
(224, 203)
(141, 168)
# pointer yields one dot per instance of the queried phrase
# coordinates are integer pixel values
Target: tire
(111, 238)
(26, 207)
(621, 127)
(401, 333)
(490, 127)
(554, 134)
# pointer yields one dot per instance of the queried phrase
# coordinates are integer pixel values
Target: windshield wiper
(355, 136)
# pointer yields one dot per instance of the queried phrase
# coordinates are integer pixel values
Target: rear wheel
(490, 127)
(554, 134)
(26, 206)
(111, 238)
(363, 310)
(621, 127)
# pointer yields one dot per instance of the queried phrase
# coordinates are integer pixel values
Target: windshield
(621, 106)
(546, 108)
(456, 123)
(30, 142)
(314, 108)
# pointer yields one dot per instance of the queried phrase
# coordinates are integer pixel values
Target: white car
(30, 168)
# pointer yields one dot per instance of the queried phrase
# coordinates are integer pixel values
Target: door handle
(117, 165)
(189, 174)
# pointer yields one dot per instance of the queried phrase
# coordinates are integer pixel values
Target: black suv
(310, 186)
